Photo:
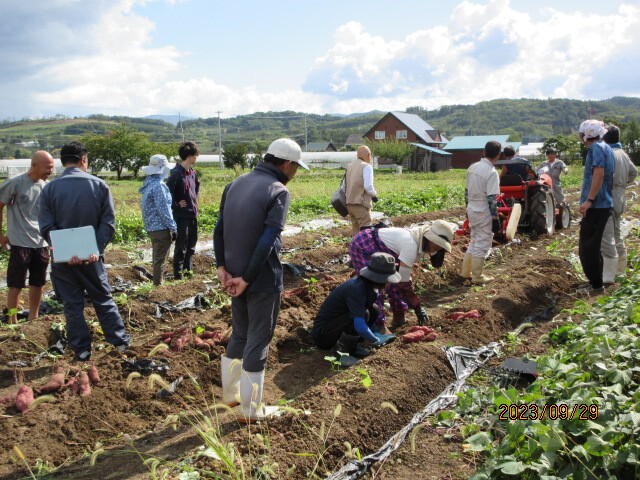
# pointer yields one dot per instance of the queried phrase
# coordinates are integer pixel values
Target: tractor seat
(510, 180)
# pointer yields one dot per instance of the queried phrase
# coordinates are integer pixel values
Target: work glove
(174, 235)
(383, 339)
(422, 315)
(374, 199)
(495, 225)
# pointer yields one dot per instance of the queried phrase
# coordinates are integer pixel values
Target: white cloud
(99, 55)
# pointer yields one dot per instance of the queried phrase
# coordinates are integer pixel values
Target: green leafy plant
(365, 379)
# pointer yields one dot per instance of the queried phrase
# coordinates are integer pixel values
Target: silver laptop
(68, 242)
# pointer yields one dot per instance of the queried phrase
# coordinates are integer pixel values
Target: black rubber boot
(343, 349)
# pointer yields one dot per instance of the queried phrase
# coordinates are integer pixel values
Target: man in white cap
(360, 191)
(596, 202)
(247, 242)
(156, 212)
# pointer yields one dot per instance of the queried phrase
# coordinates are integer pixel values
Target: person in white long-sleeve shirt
(360, 190)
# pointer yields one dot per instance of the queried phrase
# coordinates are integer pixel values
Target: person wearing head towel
(406, 245)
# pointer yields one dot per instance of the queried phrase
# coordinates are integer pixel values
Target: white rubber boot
(251, 398)
(477, 264)
(230, 375)
(609, 270)
(622, 264)
(466, 265)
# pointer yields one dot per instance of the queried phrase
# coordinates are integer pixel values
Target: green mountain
(519, 118)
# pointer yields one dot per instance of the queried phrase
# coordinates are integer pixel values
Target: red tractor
(527, 203)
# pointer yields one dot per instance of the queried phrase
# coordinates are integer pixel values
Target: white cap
(592, 129)
(158, 164)
(287, 149)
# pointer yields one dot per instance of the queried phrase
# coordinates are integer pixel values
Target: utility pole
(181, 127)
(220, 141)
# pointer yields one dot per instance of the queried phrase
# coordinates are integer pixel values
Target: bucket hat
(381, 269)
(440, 233)
(287, 149)
(158, 165)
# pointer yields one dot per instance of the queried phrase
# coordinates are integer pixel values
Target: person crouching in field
(405, 245)
(482, 188)
(156, 212)
(348, 315)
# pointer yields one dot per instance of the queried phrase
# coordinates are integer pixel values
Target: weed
(312, 285)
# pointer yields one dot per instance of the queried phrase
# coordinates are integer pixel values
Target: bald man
(28, 251)
(360, 192)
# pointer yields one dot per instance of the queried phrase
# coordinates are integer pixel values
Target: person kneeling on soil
(348, 315)
(405, 245)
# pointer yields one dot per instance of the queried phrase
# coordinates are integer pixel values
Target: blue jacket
(156, 205)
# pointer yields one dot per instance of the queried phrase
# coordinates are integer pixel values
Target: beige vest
(356, 193)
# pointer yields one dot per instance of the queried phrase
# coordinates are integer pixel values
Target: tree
(235, 154)
(123, 148)
(569, 147)
(631, 140)
(392, 149)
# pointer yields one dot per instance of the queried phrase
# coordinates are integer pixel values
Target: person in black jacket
(184, 186)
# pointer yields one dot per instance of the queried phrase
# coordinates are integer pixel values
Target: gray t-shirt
(22, 197)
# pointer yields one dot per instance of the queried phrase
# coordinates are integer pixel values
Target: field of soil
(329, 413)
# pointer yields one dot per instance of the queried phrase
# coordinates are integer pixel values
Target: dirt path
(130, 424)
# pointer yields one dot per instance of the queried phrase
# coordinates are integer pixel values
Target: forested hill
(519, 118)
(526, 116)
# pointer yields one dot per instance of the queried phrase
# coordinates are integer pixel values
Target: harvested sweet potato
(417, 328)
(472, 314)
(24, 398)
(7, 399)
(201, 344)
(412, 337)
(178, 343)
(174, 333)
(72, 384)
(208, 334)
(94, 376)
(455, 315)
(84, 386)
(55, 383)
(430, 337)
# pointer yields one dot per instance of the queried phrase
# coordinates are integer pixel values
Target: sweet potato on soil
(455, 315)
(412, 337)
(84, 386)
(472, 314)
(200, 344)
(7, 399)
(178, 343)
(55, 383)
(430, 337)
(72, 384)
(174, 333)
(417, 328)
(463, 315)
(24, 398)
(94, 376)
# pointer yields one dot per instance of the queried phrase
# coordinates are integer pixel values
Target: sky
(198, 57)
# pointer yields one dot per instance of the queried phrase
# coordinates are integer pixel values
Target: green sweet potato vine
(596, 364)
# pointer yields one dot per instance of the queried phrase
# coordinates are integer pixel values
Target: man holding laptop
(76, 199)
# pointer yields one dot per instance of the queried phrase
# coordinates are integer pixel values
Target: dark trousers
(254, 321)
(185, 245)
(160, 244)
(591, 230)
(328, 337)
(71, 282)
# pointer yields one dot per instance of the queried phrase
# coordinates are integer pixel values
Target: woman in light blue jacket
(156, 212)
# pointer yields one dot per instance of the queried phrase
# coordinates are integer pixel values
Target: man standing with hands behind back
(247, 242)
(28, 251)
(360, 192)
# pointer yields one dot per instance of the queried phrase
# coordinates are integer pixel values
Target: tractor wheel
(563, 219)
(542, 212)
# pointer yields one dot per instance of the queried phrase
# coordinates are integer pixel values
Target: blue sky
(141, 57)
